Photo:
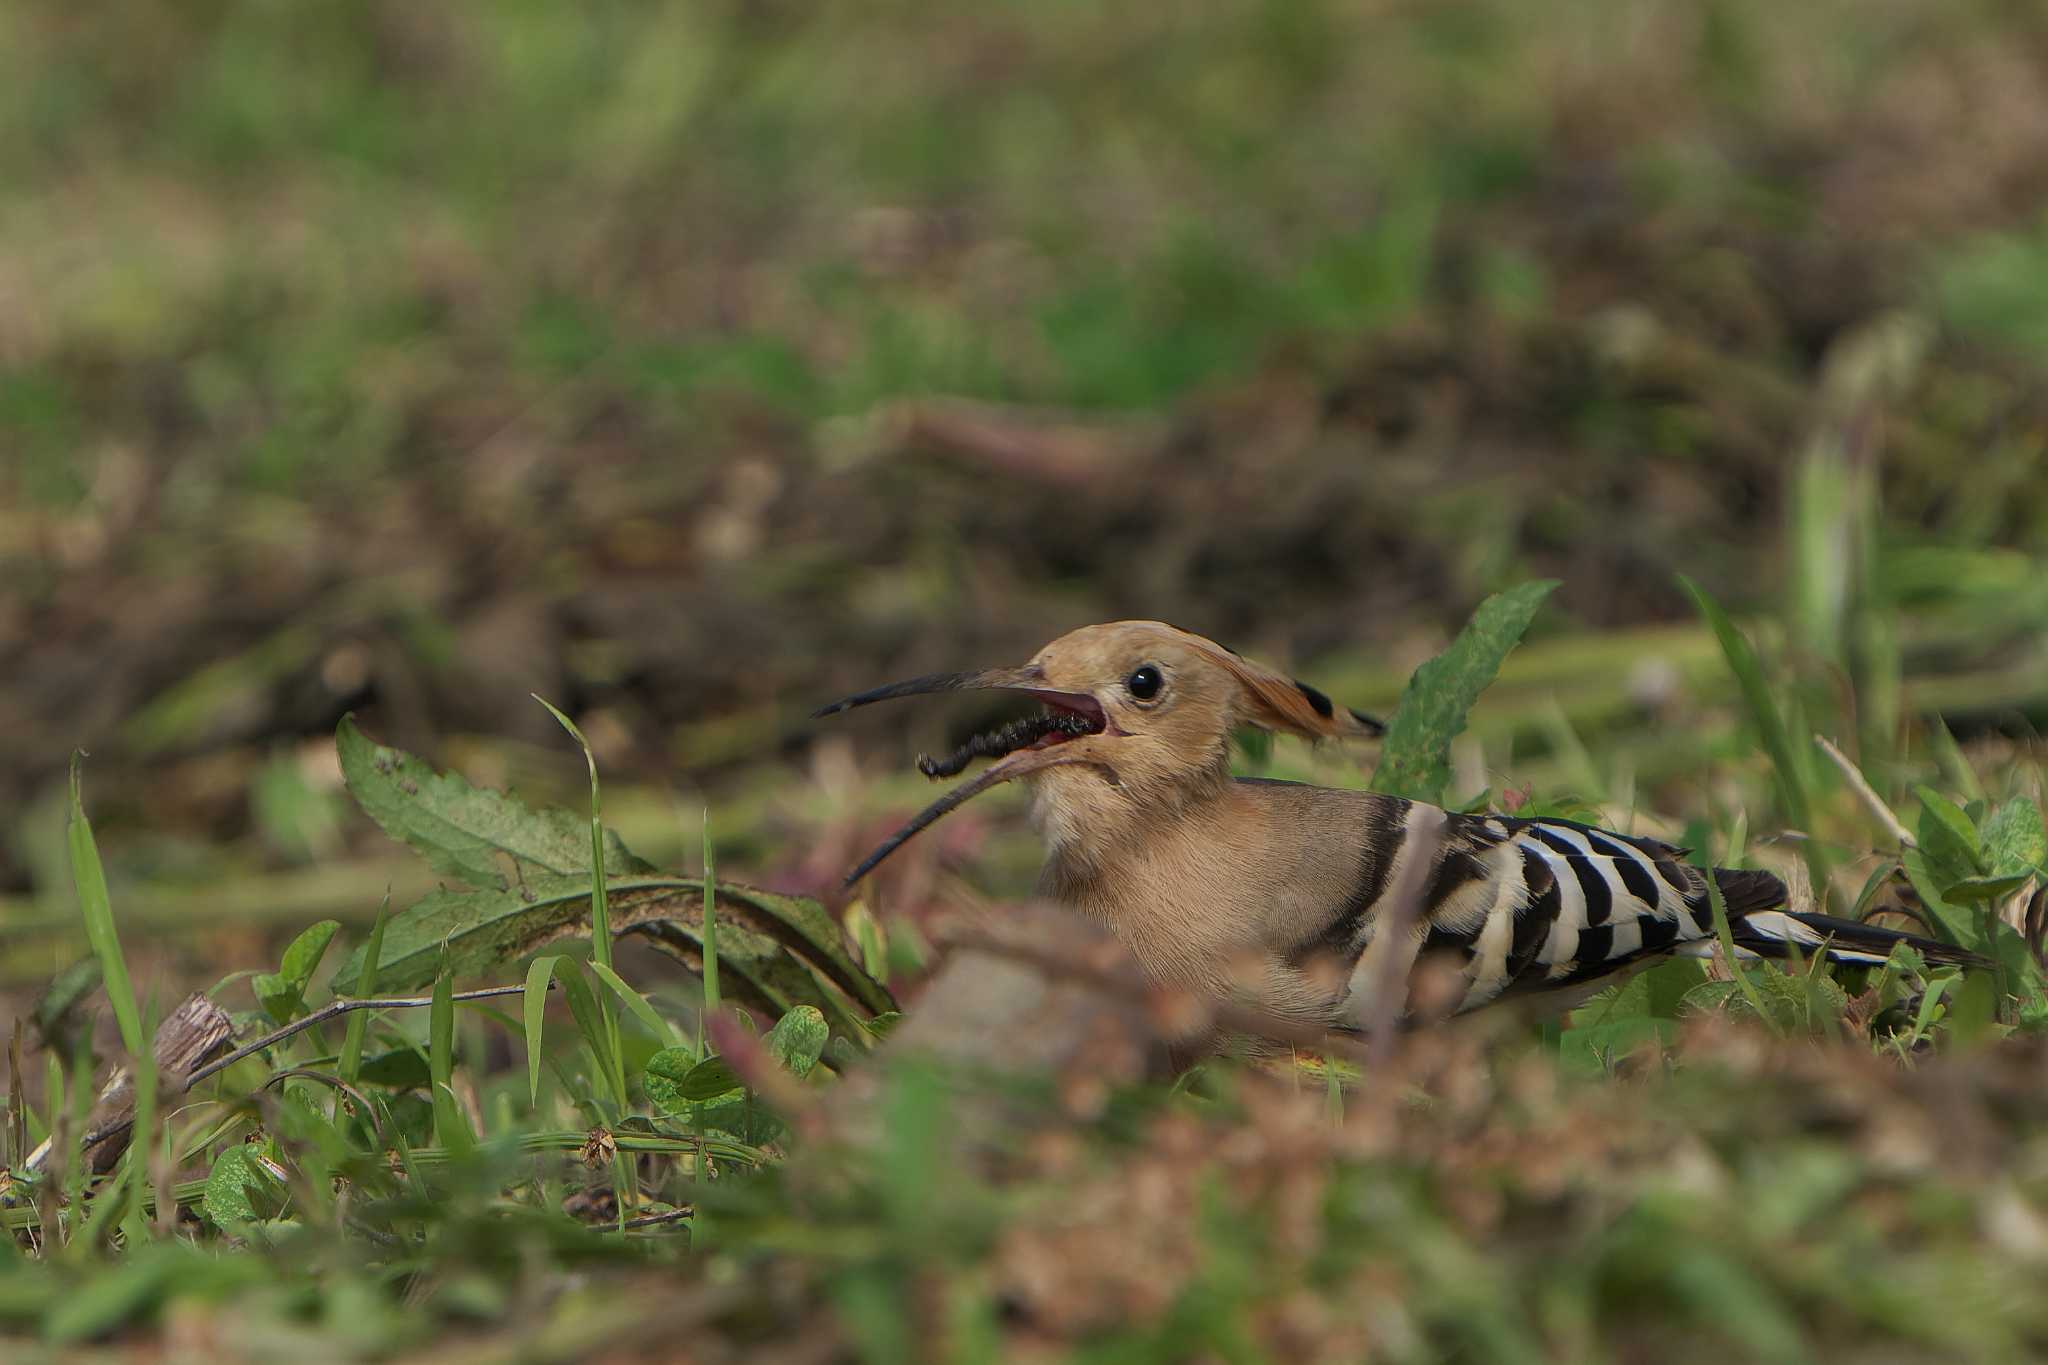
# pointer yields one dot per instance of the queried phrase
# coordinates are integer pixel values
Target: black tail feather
(1769, 933)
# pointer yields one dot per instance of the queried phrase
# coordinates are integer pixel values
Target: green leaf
(302, 959)
(709, 1079)
(798, 1040)
(236, 1173)
(486, 838)
(282, 992)
(1948, 837)
(98, 908)
(402, 1068)
(1973, 1009)
(1415, 761)
(675, 1080)
(1976, 890)
(662, 1078)
(483, 929)
(99, 1303)
(2015, 842)
(1952, 922)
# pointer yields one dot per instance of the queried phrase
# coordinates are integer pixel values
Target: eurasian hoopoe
(1272, 892)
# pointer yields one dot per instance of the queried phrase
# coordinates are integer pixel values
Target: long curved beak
(1029, 679)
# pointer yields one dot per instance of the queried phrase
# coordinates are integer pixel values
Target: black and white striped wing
(1535, 905)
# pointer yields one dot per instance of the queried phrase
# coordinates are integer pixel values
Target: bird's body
(1314, 904)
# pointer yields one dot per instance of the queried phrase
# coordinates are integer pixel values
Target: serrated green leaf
(486, 838)
(798, 1040)
(485, 928)
(1416, 759)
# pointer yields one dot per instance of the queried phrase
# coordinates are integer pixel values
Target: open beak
(1025, 747)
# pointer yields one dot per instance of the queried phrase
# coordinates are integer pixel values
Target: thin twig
(325, 1078)
(1874, 803)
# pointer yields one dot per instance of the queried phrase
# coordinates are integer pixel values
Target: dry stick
(333, 1009)
(1871, 800)
(1382, 1005)
(192, 1032)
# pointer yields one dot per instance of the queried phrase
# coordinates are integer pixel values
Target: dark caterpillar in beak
(1020, 734)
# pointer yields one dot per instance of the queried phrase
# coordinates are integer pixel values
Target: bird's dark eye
(1144, 684)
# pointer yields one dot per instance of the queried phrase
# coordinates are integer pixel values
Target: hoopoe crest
(1274, 892)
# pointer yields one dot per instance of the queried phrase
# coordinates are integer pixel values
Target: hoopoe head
(1137, 721)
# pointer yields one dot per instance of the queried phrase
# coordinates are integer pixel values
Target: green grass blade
(98, 908)
(586, 1007)
(710, 920)
(451, 1129)
(637, 1004)
(1770, 723)
(600, 906)
(1726, 937)
(534, 1005)
(366, 985)
(1416, 760)
(1756, 695)
(135, 1224)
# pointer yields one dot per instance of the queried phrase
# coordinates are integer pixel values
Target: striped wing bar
(1531, 906)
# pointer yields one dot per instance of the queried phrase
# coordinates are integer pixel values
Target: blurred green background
(691, 363)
